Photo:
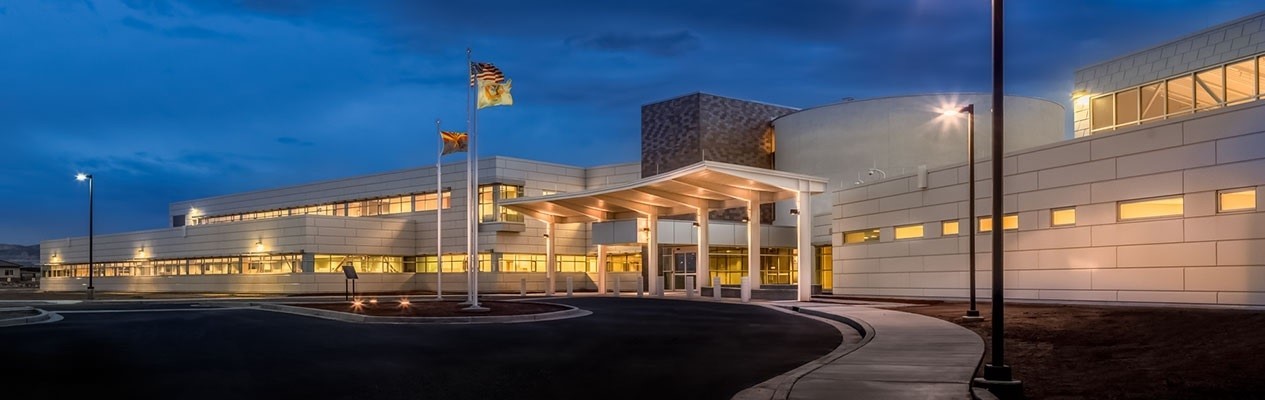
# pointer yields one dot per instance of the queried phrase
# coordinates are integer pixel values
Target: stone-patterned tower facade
(685, 130)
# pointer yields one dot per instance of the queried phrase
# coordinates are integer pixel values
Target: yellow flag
(494, 94)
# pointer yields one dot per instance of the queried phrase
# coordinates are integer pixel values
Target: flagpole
(470, 194)
(474, 222)
(439, 215)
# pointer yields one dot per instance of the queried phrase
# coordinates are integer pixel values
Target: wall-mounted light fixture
(546, 235)
(259, 246)
(695, 224)
(1080, 98)
(745, 219)
(794, 211)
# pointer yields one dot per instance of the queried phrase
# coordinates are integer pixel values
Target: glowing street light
(86, 177)
(969, 110)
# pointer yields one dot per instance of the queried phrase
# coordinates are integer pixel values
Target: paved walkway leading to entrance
(907, 356)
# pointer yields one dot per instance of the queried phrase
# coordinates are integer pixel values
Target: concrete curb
(779, 387)
(570, 312)
(42, 316)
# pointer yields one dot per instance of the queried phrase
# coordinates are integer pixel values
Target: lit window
(1152, 208)
(949, 228)
(1240, 81)
(1102, 112)
(1127, 106)
(1063, 216)
(1260, 73)
(1209, 91)
(868, 235)
(1008, 222)
(909, 231)
(1153, 101)
(1181, 94)
(1236, 200)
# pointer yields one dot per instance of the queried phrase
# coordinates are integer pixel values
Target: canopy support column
(753, 240)
(601, 269)
(702, 267)
(551, 258)
(652, 253)
(804, 244)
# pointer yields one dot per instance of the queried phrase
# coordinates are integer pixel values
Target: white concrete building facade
(1155, 201)
(294, 239)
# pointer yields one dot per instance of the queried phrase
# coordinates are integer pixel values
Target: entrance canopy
(707, 185)
(696, 189)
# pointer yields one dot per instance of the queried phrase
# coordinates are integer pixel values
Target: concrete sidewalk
(908, 356)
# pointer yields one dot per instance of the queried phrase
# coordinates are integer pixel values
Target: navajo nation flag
(494, 89)
(454, 142)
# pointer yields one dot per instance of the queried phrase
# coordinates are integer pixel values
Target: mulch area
(436, 308)
(1100, 352)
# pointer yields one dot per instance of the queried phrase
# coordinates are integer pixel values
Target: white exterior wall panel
(1203, 256)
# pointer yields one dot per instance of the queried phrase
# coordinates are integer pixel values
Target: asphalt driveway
(628, 348)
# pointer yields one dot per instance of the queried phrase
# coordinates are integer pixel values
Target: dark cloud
(663, 44)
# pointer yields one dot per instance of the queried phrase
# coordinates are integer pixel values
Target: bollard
(618, 279)
(640, 286)
(569, 286)
(658, 287)
(746, 289)
(522, 287)
(716, 291)
(689, 287)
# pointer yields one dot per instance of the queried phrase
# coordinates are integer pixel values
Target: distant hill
(16, 253)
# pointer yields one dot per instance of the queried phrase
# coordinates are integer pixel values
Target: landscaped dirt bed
(436, 308)
(1085, 352)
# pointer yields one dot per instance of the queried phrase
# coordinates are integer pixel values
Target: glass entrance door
(683, 265)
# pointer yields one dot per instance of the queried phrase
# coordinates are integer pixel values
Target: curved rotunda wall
(896, 135)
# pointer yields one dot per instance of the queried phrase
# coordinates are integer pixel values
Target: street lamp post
(972, 313)
(85, 177)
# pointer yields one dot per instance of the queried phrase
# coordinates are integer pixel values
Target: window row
(1231, 200)
(489, 208)
(381, 206)
(1233, 83)
(523, 262)
(248, 265)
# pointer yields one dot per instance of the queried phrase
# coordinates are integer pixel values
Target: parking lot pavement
(628, 348)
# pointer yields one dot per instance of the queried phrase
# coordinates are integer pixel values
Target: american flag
(485, 72)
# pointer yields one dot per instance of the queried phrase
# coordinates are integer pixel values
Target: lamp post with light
(969, 110)
(86, 177)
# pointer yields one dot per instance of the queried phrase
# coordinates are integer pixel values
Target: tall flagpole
(439, 215)
(470, 194)
(474, 188)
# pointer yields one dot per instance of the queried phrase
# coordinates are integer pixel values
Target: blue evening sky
(166, 100)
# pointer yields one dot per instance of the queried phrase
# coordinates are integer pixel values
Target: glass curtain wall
(777, 265)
